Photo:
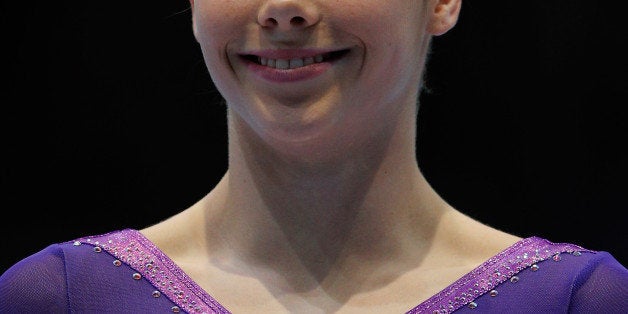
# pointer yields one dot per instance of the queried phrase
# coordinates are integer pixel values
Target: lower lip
(289, 75)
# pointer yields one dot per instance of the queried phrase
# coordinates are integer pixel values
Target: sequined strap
(500, 268)
(129, 246)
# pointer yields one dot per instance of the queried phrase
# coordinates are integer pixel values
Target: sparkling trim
(494, 271)
(130, 247)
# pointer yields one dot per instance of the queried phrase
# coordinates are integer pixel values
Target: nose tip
(287, 15)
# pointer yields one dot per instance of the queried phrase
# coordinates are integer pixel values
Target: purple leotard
(122, 271)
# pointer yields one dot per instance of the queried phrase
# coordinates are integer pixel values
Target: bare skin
(324, 208)
(379, 273)
(393, 244)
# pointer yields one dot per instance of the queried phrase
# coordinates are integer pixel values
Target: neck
(321, 217)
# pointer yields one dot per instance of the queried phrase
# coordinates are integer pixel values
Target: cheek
(215, 22)
(393, 66)
(396, 32)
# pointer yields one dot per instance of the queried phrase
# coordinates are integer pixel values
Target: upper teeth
(290, 63)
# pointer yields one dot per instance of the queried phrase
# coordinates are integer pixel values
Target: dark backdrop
(109, 119)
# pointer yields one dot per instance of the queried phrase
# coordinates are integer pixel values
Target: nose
(286, 15)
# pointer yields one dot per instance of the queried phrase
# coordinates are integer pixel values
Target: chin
(297, 122)
(299, 133)
(315, 141)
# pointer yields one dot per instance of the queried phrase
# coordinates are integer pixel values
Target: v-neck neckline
(138, 252)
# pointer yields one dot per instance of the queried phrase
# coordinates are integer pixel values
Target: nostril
(287, 15)
(297, 21)
(272, 22)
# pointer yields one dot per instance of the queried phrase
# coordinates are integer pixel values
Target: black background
(109, 120)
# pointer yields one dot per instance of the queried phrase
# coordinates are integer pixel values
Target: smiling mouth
(295, 63)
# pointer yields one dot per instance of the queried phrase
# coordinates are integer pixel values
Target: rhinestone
(156, 294)
(176, 309)
(493, 293)
(77, 243)
(514, 279)
(576, 253)
(534, 267)
(117, 263)
(556, 257)
(473, 305)
(97, 249)
(137, 276)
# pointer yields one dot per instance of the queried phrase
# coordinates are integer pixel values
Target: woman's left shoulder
(536, 275)
(594, 281)
(587, 259)
(575, 259)
(599, 283)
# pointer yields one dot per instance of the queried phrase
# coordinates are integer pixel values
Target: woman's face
(300, 70)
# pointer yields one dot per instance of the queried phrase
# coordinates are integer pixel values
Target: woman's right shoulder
(39, 282)
(36, 283)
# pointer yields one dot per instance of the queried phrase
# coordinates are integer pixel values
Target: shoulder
(588, 280)
(600, 285)
(77, 275)
(36, 283)
(579, 264)
(537, 275)
(574, 279)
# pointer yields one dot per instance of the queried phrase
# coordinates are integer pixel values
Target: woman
(324, 208)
